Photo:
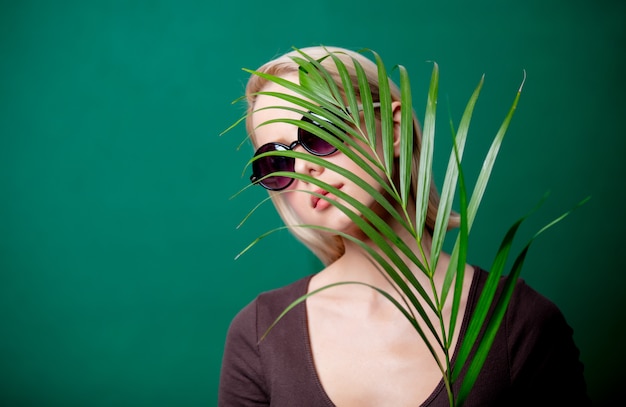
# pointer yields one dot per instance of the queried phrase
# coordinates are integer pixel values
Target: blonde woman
(349, 345)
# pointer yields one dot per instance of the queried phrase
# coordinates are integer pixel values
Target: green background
(117, 231)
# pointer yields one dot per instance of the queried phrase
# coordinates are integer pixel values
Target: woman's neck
(362, 266)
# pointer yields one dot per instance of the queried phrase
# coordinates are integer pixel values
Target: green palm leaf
(386, 118)
(406, 151)
(424, 174)
(353, 122)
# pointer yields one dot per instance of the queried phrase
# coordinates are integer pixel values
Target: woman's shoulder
(530, 317)
(284, 295)
(269, 304)
(530, 306)
(537, 344)
(525, 301)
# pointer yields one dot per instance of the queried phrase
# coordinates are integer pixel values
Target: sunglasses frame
(257, 179)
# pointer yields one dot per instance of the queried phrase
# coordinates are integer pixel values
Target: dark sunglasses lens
(313, 143)
(268, 165)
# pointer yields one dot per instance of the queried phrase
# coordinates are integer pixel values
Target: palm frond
(346, 100)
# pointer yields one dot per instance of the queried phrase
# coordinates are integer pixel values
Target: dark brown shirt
(533, 360)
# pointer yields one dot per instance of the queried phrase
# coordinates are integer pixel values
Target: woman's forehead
(268, 107)
(262, 101)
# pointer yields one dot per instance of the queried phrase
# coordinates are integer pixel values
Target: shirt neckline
(438, 388)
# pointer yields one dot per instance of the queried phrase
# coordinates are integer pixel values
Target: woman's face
(309, 208)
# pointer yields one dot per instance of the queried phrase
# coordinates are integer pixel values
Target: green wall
(117, 234)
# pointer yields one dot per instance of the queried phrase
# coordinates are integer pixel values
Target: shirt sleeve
(241, 376)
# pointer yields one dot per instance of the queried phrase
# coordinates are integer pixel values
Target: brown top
(533, 359)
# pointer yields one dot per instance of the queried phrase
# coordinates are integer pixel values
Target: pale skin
(365, 351)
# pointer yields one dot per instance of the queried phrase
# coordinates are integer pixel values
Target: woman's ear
(396, 111)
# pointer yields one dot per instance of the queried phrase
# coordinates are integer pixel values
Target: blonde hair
(330, 249)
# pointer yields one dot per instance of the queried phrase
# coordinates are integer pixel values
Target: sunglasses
(313, 144)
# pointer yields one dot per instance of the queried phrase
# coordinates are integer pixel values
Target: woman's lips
(319, 203)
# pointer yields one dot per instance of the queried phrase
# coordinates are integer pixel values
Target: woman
(349, 345)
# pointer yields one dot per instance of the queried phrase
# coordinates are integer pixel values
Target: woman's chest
(372, 363)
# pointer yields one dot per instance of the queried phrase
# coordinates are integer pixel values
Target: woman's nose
(304, 166)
